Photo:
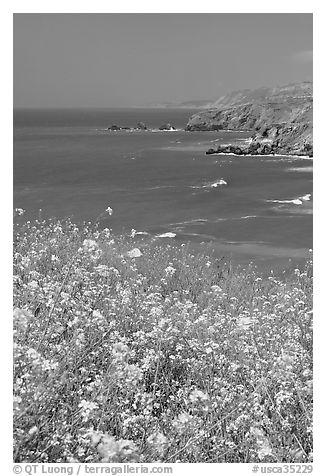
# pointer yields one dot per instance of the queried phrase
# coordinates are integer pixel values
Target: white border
(167, 6)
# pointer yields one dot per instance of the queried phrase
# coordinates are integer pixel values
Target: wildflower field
(135, 351)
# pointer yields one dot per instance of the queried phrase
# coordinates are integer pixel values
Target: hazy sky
(115, 59)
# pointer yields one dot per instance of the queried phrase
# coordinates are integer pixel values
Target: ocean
(251, 209)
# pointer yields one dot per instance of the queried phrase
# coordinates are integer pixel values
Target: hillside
(281, 117)
(264, 94)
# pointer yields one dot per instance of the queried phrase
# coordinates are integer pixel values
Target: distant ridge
(193, 104)
(264, 94)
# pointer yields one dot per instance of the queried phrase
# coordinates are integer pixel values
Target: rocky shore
(260, 146)
(280, 118)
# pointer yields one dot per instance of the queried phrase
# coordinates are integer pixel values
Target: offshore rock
(114, 127)
(142, 126)
(167, 127)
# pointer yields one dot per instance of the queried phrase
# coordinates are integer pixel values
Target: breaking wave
(215, 184)
(169, 234)
(295, 201)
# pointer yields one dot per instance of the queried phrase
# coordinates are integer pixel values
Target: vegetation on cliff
(280, 117)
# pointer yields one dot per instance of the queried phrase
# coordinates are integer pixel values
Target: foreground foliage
(138, 352)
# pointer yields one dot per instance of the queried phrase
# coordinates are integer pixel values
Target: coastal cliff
(280, 118)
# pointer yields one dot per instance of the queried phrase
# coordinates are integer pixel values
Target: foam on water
(159, 187)
(166, 130)
(283, 156)
(300, 169)
(169, 234)
(190, 222)
(215, 184)
(295, 201)
(306, 197)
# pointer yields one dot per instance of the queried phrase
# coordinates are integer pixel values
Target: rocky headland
(280, 118)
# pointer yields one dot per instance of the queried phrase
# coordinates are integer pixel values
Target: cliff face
(281, 117)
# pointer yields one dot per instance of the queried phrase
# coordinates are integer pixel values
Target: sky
(140, 59)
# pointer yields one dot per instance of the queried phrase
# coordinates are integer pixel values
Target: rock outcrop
(167, 127)
(257, 147)
(114, 127)
(281, 118)
(142, 126)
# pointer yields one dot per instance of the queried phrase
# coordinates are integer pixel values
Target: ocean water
(68, 164)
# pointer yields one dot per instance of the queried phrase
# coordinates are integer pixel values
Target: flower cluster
(124, 355)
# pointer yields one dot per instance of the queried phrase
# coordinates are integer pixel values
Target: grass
(129, 351)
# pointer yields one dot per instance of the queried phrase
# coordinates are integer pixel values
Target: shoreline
(155, 130)
(254, 148)
(307, 157)
(135, 129)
